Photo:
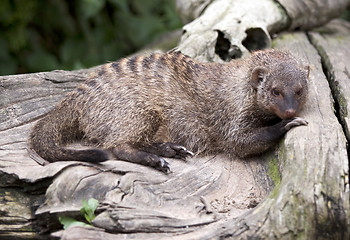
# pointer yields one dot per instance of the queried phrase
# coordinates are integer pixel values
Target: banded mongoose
(144, 108)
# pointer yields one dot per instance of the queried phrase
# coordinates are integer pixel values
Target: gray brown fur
(143, 107)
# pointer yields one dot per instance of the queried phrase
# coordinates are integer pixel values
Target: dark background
(42, 35)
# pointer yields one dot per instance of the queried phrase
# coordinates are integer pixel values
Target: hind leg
(133, 141)
(129, 153)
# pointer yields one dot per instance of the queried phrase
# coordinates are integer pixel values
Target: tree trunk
(300, 189)
(228, 29)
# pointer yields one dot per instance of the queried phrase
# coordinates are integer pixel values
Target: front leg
(255, 141)
(169, 150)
(129, 153)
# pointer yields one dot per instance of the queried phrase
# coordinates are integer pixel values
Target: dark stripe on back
(99, 88)
(161, 63)
(81, 90)
(176, 56)
(176, 61)
(132, 64)
(116, 66)
(163, 59)
(153, 57)
(176, 68)
(146, 63)
(92, 82)
(101, 72)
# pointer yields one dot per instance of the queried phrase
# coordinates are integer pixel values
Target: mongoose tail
(53, 132)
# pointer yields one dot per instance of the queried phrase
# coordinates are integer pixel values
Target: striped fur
(128, 105)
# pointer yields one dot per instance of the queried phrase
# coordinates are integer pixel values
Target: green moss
(343, 105)
(274, 174)
(283, 38)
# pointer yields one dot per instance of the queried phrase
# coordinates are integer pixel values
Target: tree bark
(228, 29)
(301, 14)
(308, 14)
(300, 189)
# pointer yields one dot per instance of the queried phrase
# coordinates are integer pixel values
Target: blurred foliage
(346, 15)
(39, 35)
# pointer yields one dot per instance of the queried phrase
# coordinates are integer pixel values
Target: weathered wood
(333, 44)
(307, 14)
(227, 29)
(17, 218)
(23, 99)
(191, 9)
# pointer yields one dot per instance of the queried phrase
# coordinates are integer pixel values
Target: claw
(182, 150)
(162, 162)
(177, 156)
(296, 122)
(170, 150)
(187, 152)
(164, 166)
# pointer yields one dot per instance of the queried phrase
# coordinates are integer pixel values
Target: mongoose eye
(299, 92)
(275, 92)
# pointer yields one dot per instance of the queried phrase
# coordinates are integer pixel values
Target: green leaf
(70, 222)
(90, 8)
(8, 64)
(41, 61)
(88, 209)
(121, 4)
(73, 49)
(93, 203)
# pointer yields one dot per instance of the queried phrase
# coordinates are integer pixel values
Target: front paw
(295, 122)
(181, 151)
(174, 150)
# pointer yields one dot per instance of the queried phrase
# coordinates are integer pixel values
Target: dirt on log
(300, 189)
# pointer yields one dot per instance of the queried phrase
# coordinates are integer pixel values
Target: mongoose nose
(290, 113)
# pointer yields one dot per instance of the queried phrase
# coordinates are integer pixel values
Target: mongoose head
(281, 87)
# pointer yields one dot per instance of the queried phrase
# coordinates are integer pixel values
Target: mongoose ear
(258, 75)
